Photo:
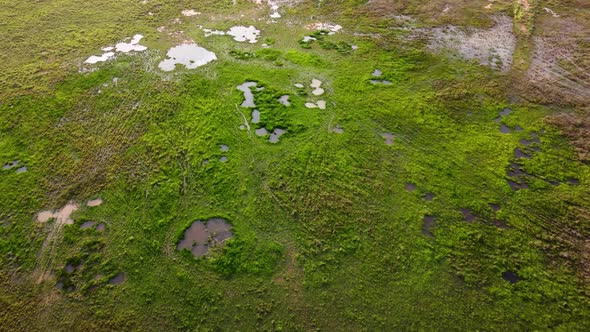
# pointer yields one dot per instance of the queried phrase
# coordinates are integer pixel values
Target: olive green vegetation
(326, 235)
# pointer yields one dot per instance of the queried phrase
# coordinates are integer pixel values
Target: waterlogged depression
(189, 55)
(201, 236)
(122, 47)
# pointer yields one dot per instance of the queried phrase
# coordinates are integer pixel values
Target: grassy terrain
(328, 231)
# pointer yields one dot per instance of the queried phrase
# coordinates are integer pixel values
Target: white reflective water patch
(189, 55)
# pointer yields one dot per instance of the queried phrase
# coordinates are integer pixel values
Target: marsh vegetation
(295, 165)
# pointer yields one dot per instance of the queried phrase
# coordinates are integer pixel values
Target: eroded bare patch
(559, 70)
(491, 47)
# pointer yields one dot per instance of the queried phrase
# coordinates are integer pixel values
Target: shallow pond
(255, 116)
(189, 55)
(428, 224)
(468, 215)
(511, 277)
(384, 82)
(388, 138)
(248, 95)
(242, 33)
(10, 165)
(276, 134)
(518, 153)
(133, 45)
(95, 59)
(317, 89)
(516, 185)
(118, 279)
(505, 112)
(200, 236)
(284, 100)
(87, 224)
(101, 227)
(261, 132)
(429, 197)
(122, 47)
(337, 129)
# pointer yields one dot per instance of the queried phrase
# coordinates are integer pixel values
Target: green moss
(326, 235)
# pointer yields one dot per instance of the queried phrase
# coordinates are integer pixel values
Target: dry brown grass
(576, 127)
(559, 72)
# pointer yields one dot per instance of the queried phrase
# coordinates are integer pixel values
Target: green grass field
(328, 228)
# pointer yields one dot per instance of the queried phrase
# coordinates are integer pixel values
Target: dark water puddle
(516, 185)
(499, 223)
(511, 277)
(518, 153)
(388, 138)
(468, 215)
(410, 186)
(528, 142)
(525, 142)
(200, 236)
(100, 227)
(87, 224)
(505, 112)
(504, 129)
(428, 224)
(429, 197)
(573, 181)
(515, 171)
(118, 279)
(60, 285)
